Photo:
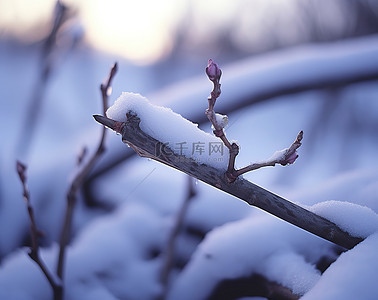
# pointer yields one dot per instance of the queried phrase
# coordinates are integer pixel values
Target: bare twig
(214, 73)
(34, 233)
(169, 254)
(283, 157)
(79, 178)
(46, 68)
(146, 145)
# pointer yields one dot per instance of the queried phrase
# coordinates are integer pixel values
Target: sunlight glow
(23, 18)
(144, 31)
(139, 30)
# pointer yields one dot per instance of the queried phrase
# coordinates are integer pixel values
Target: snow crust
(182, 136)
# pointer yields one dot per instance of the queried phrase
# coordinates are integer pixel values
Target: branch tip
(21, 169)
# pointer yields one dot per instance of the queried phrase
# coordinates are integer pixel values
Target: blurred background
(287, 65)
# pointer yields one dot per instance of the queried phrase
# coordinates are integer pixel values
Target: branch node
(231, 175)
(283, 157)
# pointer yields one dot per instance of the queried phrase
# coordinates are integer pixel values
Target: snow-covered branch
(259, 78)
(133, 130)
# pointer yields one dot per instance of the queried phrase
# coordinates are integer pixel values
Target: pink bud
(213, 71)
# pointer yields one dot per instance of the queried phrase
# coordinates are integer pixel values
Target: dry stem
(79, 178)
(288, 156)
(34, 249)
(46, 68)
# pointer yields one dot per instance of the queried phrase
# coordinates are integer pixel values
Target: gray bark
(147, 146)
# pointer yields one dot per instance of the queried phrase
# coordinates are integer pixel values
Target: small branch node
(283, 157)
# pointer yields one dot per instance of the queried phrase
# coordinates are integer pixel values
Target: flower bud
(213, 71)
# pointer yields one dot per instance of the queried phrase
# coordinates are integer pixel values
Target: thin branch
(80, 177)
(214, 73)
(283, 157)
(46, 68)
(169, 255)
(34, 233)
(146, 146)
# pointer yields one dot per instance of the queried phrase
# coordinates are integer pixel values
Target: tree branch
(61, 14)
(80, 177)
(146, 145)
(34, 233)
(283, 157)
(296, 61)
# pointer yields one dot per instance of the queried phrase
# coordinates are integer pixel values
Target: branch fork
(146, 146)
(283, 157)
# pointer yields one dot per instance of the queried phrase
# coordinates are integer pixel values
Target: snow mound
(352, 276)
(242, 248)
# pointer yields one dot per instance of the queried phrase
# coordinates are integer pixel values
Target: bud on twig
(213, 71)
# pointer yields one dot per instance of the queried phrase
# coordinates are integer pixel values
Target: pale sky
(143, 31)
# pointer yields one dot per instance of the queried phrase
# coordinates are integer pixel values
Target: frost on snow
(182, 136)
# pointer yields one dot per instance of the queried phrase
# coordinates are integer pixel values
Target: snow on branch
(259, 78)
(159, 133)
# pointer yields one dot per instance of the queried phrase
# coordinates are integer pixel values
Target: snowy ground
(116, 255)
